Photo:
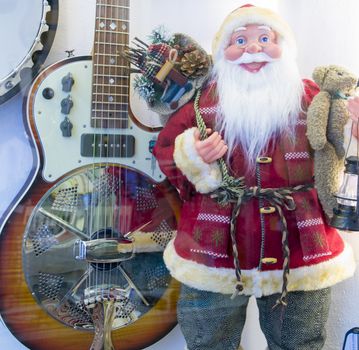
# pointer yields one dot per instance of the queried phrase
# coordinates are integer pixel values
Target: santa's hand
(353, 108)
(210, 149)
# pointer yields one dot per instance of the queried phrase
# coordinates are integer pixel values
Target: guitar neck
(110, 76)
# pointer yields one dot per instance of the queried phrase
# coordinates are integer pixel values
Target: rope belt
(279, 198)
(233, 190)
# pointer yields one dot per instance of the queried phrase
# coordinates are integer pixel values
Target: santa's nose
(253, 47)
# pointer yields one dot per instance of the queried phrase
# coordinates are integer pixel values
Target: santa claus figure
(277, 246)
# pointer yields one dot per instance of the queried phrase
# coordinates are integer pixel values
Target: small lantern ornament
(351, 340)
(346, 215)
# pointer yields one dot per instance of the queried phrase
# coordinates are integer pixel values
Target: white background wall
(326, 32)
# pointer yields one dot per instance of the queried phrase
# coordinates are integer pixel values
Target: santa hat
(249, 14)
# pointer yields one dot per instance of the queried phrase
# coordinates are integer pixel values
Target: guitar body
(35, 328)
(121, 196)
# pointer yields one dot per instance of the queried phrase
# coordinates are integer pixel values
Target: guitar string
(119, 88)
(98, 175)
(125, 70)
(105, 127)
(121, 93)
(112, 178)
(91, 174)
(94, 102)
(125, 29)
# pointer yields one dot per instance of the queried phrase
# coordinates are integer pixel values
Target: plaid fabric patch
(156, 56)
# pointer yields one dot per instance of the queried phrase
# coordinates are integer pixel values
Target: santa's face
(259, 90)
(252, 47)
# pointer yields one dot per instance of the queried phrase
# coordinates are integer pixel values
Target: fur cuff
(205, 177)
(260, 283)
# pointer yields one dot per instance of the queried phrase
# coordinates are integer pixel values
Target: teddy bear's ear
(319, 74)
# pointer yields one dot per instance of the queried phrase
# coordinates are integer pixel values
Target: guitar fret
(113, 19)
(108, 110)
(110, 95)
(107, 85)
(109, 44)
(110, 103)
(110, 31)
(117, 85)
(109, 118)
(110, 5)
(108, 90)
(109, 55)
(106, 65)
(111, 76)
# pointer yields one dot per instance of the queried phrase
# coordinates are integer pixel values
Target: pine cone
(194, 64)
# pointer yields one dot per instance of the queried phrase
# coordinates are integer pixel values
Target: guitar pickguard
(130, 146)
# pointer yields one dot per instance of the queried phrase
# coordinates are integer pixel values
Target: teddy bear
(327, 116)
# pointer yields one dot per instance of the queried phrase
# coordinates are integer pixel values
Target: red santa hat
(249, 14)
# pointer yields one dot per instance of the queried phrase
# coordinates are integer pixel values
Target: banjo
(27, 30)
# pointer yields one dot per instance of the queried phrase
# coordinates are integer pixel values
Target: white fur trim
(260, 283)
(205, 177)
(243, 16)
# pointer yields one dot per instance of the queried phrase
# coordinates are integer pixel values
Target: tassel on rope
(233, 228)
(282, 300)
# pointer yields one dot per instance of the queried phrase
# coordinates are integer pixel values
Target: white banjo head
(26, 37)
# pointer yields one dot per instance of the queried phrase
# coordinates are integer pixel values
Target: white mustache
(252, 57)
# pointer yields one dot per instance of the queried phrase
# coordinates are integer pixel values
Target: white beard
(254, 107)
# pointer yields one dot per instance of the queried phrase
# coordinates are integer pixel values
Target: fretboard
(110, 76)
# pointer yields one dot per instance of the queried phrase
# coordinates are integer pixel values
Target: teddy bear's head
(335, 79)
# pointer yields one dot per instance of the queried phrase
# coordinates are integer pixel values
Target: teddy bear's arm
(317, 120)
(339, 116)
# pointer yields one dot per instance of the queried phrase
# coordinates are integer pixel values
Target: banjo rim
(27, 68)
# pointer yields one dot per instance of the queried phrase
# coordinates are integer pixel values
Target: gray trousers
(213, 321)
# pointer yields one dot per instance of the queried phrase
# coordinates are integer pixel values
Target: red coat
(201, 254)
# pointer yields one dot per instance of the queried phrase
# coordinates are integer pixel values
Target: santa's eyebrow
(259, 27)
(265, 28)
(239, 28)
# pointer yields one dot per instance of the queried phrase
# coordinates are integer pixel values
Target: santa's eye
(241, 41)
(264, 39)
